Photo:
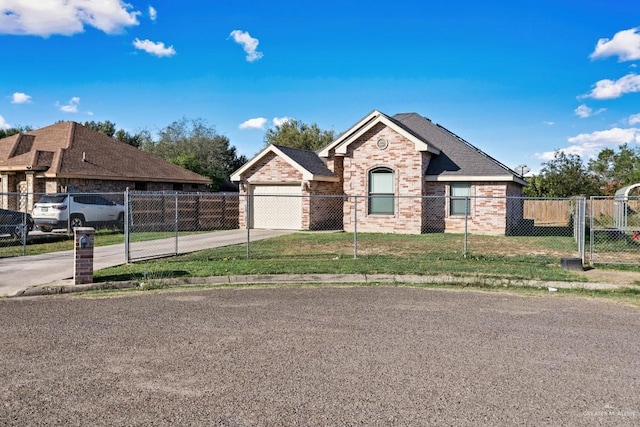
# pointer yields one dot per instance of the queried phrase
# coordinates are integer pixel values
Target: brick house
(68, 155)
(411, 176)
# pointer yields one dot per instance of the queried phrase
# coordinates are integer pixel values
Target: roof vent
(382, 143)
(84, 156)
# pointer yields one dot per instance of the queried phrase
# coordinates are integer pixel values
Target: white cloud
(256, 123)
(583, 111)
(153, 48)
(71, 107)
(588, 145)
(248, 43)
(610, 89)
(279, 121)
(624, 44)
(4, 124)
(634, 119)
(548, 123)
(153, 13)
(20, 98)
(66, 17)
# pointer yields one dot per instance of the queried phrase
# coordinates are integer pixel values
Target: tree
(294, 133)
(109, 128)
(617, 169)
(12, 131)
(193, 144)
(564, 176)
(136, 140)
(536, 186)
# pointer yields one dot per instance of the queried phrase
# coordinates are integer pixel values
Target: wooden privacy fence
(558, 211)
(184, 212)
(548, 211)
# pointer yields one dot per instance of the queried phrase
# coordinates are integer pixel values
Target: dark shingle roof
(307, 159)
(457, 156)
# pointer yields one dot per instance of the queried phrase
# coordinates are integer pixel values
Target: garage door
(277, 207)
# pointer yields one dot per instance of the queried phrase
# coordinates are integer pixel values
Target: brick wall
(324, 205)
(434, 207)
(83, 256)
(488, 214)
(408, 166)
(109, 186)
(9, 183)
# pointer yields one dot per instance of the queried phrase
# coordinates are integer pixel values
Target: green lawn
(427, 254)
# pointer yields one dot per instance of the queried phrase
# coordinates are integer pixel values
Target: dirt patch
(616, 277)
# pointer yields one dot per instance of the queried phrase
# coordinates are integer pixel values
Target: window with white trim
(381, 191)
(460, 202)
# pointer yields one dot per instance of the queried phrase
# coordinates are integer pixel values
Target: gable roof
(305, 161)
(458, 159)
(341, 144)
(70, 150)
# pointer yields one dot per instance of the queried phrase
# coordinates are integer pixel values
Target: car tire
(76, 221)
(120, 222)
(16, 233)
(45, 228)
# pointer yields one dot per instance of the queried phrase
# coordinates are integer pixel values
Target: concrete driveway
(19, 273)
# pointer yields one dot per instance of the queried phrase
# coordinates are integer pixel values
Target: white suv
(52, 211)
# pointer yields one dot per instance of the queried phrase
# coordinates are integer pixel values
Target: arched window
(381, 191)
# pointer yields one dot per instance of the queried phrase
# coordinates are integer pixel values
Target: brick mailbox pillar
(83, 255)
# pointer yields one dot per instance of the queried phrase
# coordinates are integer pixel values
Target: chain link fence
(434, 225)
(614, 230)
(163, 224)
(599, 231)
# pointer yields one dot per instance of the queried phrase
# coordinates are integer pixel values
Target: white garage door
(277, 207)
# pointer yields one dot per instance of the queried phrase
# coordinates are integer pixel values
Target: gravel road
(319, 356)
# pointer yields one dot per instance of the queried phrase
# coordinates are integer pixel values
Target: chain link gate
(614, 230)
(165, 224)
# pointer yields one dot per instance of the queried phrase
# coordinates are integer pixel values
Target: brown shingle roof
(70, 150)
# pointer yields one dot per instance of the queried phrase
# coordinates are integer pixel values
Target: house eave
(364, 121)
(306, 175)
(128, 178)
(475, 178)
(23, 168)
(323, 178)
(341, 145)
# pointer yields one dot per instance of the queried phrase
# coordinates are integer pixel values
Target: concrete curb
(68, 286)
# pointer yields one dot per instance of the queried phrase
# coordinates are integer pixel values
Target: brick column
(83, 255)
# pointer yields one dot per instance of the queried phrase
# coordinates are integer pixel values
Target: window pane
(459, 206)
(381, 204)
(381, 182)
(460, 190)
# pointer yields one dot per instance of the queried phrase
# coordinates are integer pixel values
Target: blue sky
(516, 79)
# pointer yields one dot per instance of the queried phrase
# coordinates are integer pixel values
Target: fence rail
(157, 224)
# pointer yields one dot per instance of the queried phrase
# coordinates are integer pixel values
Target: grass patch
(317, 253)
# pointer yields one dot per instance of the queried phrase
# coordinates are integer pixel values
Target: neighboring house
(68, 155)
(383, 157)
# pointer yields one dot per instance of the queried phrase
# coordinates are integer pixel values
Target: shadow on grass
(566, 231)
